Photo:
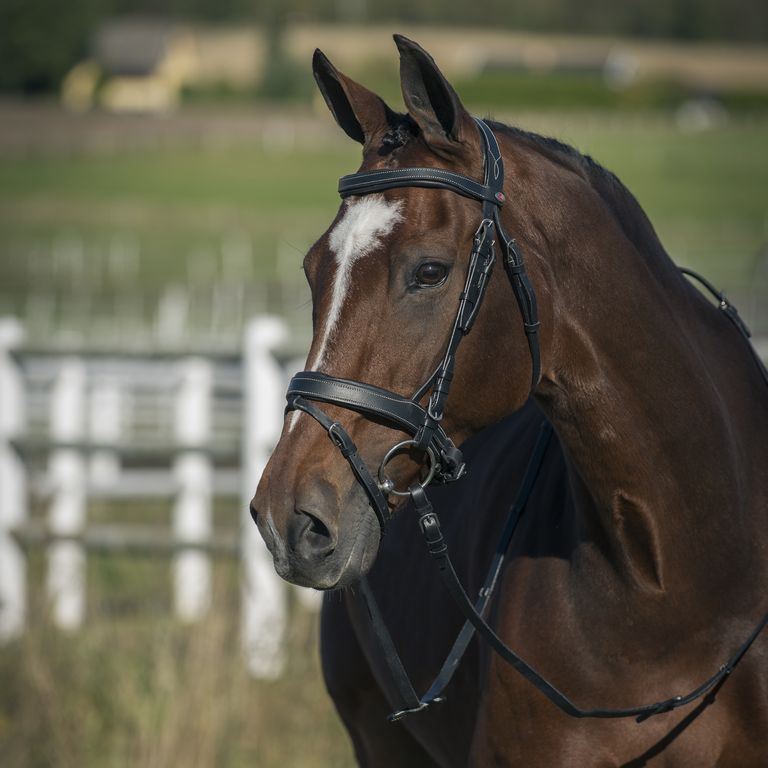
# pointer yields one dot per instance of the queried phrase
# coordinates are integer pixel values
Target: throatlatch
(445, 460)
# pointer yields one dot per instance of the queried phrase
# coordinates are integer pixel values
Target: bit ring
(387, 486)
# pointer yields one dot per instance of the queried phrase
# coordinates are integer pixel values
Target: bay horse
(640, 563)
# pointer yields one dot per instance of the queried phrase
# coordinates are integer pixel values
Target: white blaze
(359, 232)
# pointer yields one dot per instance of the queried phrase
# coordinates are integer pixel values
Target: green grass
(172, 202)
(560, 91)
(135, 688)
(705, 193)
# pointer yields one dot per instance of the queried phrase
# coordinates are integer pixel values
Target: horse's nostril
(312, 537)
(318, 536)
(317, 527)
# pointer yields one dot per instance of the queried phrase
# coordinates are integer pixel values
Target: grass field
(706, 192)
(137, 689)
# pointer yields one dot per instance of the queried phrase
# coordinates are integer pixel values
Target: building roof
(131, 46)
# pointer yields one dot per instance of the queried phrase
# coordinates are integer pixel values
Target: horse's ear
(431, 101)
(359, 112)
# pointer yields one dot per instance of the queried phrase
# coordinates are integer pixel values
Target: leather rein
(444, 459)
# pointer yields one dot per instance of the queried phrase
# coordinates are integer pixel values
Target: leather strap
(346, 445)
(730, 311)
(365, 182)
(438, 549)
(408, 703)
(360, 397)
(525, 297)
(381, 403)
(485, 593)
(478, 272)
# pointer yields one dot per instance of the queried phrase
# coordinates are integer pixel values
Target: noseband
(445, 463)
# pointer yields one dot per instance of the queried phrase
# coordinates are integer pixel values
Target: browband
(490, 191)
(366, 182)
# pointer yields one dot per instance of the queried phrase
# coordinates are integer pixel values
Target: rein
(445, 462)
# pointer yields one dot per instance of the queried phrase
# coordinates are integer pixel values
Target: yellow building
(142, 65)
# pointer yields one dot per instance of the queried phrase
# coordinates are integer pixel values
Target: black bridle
(407, 414)
(445, 461)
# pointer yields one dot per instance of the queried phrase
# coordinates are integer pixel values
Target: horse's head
(386, 281)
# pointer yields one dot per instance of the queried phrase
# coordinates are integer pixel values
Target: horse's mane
(619, 200)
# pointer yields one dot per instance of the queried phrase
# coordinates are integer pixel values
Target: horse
(640, 562)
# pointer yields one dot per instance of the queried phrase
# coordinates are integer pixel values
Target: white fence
(185, 428)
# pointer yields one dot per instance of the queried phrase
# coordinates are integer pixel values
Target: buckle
(481, 232)
(437, 417)
(401, 713)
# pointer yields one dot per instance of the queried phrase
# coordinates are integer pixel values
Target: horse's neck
(662, 449)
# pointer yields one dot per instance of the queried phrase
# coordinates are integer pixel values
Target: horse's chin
(352, 558)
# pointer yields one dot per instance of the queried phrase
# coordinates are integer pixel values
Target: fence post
(105, 427)
(263, 593)
(194, 475)
(13, 490)
(66, 515)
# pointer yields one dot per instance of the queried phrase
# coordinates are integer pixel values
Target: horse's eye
(430, 274)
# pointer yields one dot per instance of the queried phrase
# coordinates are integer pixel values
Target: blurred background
(164, 165)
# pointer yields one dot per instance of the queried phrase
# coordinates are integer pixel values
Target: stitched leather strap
(438, 549)
(525, 297)
(346, 445)
(360, 397)
(375, 401)
(730, 311)
(407, 702)
(489, 584)
(365, 182)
